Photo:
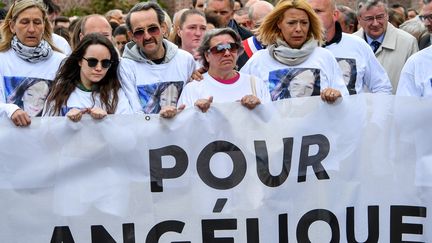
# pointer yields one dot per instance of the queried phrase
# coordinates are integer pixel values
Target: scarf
(41, 52)
(284, 54)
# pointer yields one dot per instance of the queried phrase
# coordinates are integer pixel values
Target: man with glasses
(151, 64)
(426, 18)
(392, 46)
(360, 68)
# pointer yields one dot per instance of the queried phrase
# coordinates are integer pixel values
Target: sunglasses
(152, 30)
(222, 48)
(93, 62)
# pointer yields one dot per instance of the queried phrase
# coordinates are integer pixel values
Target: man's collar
(369, 39)
(337, 37)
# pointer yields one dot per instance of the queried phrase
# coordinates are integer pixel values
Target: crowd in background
(142, 60)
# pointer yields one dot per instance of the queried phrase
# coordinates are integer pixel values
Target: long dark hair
(69, 74)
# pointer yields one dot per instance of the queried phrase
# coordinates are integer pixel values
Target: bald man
(360, 68)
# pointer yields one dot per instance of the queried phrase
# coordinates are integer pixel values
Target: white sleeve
(375, 77)
(123, 106)
(7, 109)
(129, 87)
(407, 85)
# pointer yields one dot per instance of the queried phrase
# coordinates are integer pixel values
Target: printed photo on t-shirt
(27, 93)
(155, 96)
(294, 82)
(348, 67)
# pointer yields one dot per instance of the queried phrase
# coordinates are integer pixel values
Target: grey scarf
(284, 54)
(41, 52)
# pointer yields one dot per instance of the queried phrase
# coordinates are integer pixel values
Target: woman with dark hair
(293, 33)
(27, 52)
(88, 82)
(220, 49)
(31, 94)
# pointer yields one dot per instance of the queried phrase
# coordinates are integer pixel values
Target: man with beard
(150, 63)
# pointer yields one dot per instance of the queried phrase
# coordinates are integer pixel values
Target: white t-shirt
(416, 75)
(360, 68)
(149, 87)
(62, 44)
(83, 99)
(223, 92)
(319, 71)
(26, 84)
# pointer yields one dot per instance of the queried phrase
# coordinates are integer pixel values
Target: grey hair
(205, 44)
(142, 6)
(367, 4)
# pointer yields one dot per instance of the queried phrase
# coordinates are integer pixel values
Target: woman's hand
(20, 118)
(75, 114)
(97, 113)
(204, 104)
(250, 101)
(170, 111)
(330, 95)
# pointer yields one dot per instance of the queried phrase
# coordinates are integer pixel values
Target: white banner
(298, 170)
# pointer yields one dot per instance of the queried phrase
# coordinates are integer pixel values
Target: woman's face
(225, 60)
(29, 26)
(346, 71)
(302, 85)
(34, 98)
(169, 96)
(90, 75)
(295, 27)
(192, 32)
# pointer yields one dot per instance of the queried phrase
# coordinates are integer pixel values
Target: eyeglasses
(152, 30)
(378, 18)
(93, 62)
(222, 48)
(426, 17)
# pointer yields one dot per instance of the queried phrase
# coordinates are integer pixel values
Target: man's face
(373, 20)
(427, 16)
(221, 8)
(147, 33)
(326, 12)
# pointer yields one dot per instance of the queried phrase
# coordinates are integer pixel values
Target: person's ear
(130, 35)
(336, 14)
(206, 56)
(12, 26)
(164, 28)
(179, 31)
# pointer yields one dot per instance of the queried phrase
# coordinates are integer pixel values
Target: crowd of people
(142, 61)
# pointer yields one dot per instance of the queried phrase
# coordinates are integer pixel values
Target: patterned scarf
(284, 54)
(41, 52)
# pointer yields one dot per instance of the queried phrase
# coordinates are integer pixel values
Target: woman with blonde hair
(293, 34)
(26, 52)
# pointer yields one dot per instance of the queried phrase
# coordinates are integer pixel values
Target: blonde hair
(269, 31)
(12, 15)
